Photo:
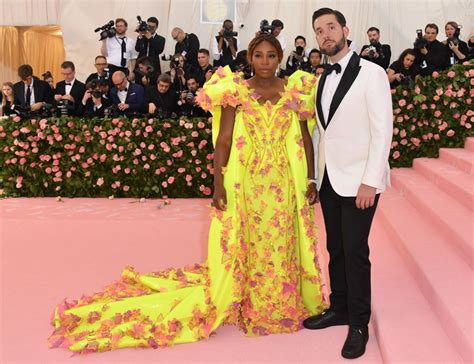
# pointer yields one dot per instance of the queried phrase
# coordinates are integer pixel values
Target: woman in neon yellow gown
(262, 272)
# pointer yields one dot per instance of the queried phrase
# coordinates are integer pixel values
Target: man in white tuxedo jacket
(355, 126)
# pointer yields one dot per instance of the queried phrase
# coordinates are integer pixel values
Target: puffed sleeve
(225, 88)
(301, 89)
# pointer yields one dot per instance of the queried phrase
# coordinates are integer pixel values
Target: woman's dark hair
(404, 54)
(264, 37)
(328, 11)
(47, 75)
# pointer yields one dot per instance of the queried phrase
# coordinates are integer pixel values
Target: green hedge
(75, 157)
(437, 113)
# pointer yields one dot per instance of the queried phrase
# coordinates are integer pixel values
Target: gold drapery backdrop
(40, 46)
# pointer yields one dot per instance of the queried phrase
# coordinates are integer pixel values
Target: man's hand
(398, 77)
(151, 108)
(87, 96)
(365, 52)
(208, 75)
(365, 197)
(68, 97)
(36, 106)
(123, 107)
(131, 76)
(148, 35)
(58, 97)
(424, 51)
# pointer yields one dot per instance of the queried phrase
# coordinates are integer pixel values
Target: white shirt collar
(344, 61)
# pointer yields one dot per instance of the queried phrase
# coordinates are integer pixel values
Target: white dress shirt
(331, 83)
(114, 50)
(215, 49)
(282, 41)
(69, 87)
(31, 86)
(122, 95)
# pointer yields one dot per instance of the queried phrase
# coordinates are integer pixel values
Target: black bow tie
(333, 67)
(68, 83)
(125, 89)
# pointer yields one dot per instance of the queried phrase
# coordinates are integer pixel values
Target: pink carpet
(421, 248)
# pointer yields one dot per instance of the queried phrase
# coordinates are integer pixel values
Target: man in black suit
(352, 138)
(150, 44)
(376, 52)
(30, 93)
(127, 97)
(431, 55)
(70, 91)
(187, 45)
(225, 45)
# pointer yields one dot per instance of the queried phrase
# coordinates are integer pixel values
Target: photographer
(225, 45)
(178, 72)
(431, 54)
(70, 91)
(241, 64)
(145, 73)
(457, 49)
(204, 73)
(376, 52)
(404, 70)
(93, 103)
(277, 27)
(161, 100)
(32, 96)
(187, 103)
(120, 50)
(298, 59)
(187, 45)
(315, 57)
(149, 43)
(48, 77)
(127, 98)
(7, 104)
(103, 73)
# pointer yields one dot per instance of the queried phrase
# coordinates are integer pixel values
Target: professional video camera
(420, 42)
(266, 27)
(106, 31)
(407, 81)
(142, 25)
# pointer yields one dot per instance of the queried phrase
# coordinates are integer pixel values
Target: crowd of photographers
(129, 80)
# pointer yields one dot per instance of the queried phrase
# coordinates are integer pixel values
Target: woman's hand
(312, 194)
(219, 199)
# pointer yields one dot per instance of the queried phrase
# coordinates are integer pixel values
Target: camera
(96, 93)
(106, 31)
(142, 25)
(420, 42)
(299, 50)
(63, 107)
(266, 27)
(111, 111)
(228, 34)
(407, 81)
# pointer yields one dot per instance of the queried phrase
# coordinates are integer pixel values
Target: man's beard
(336, 49)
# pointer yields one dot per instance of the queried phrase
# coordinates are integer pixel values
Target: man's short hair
(68, 64)
(121, 20)
(300, 37)
(328, 11)
(432, 26)
(100, 56)
(144, 60)
(227, 21)
(205, 51)
(277, 23)
(152, 19)
(164, 77)
(192, 77)
(371, 29)
(25, 71)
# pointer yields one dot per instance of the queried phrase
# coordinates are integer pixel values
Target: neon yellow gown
(262, 272)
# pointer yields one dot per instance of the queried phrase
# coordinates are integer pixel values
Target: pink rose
(207, 191)
(437, 114)
(188, 178)
(451, 74)
(170, 180)
(100, 182)
(450, 133)
(435, 74)
(126, 188)
(396, 154)
(19, 182)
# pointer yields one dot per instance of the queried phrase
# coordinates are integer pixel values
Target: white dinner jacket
(353, 145)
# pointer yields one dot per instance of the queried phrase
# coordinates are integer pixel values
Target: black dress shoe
(355, 343)
(326, 319)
